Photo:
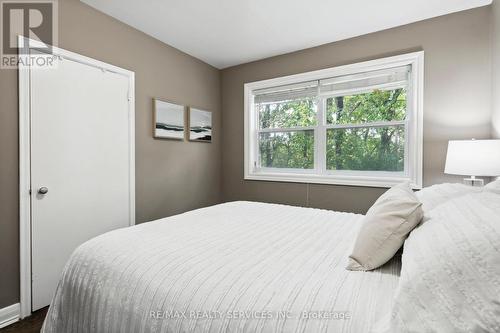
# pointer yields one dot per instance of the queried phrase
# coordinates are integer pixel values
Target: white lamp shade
(473, 158)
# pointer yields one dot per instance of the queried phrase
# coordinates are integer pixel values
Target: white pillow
(493, 187)
(450, 276)
(385, 227)
(435, 195)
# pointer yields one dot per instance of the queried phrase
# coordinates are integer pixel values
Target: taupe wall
(457, 101)
(496, 68)
(171, 176)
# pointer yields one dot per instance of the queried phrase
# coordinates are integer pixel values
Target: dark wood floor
(30, 324)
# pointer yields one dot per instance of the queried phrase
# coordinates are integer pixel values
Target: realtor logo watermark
(36, 20)
(247, 315)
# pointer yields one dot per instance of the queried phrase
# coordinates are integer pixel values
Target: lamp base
(473, 181)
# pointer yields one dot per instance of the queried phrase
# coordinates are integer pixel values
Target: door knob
(43, 190)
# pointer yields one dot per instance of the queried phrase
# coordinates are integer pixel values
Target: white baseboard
(9, 315)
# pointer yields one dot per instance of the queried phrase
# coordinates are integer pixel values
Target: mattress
(234, 267)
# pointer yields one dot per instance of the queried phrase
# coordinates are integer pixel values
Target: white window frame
(319, 175)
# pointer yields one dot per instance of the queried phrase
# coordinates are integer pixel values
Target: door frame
(25, 159)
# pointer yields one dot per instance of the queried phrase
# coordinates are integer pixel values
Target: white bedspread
(235, 267)
(450, 280)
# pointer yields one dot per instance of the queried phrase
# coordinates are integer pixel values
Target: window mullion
(256, 163)
(320, 137)
(286, 129)
(410, 119)
(367, 125)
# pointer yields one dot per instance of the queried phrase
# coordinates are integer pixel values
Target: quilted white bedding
(235, 267)
(450, 279)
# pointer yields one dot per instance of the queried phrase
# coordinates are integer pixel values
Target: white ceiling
(224, 33)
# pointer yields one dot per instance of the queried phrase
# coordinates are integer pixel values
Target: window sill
(351, 180)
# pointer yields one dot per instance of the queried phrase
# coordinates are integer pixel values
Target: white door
(80, 164)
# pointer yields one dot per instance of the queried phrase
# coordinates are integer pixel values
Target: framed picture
(168, 120)
(200, 125)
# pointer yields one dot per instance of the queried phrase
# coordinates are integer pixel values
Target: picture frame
(200, 125)
(169, 120)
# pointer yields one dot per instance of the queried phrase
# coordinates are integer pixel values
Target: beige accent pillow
(385, 228)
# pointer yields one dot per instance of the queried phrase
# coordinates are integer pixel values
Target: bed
(254, 267)
(234, 267)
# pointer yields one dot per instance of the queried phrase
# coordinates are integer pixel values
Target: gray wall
(457, 101)
(495, 35)
(171, 176)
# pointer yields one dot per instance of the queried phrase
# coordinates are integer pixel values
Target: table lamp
(473, 158)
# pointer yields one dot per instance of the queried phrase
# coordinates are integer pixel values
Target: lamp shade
(473, 158)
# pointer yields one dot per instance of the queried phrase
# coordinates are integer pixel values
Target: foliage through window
(287, 149)
(367, 147)
(361, 124)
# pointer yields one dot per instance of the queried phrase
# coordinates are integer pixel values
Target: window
(358, 124)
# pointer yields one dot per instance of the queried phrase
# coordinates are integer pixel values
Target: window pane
(287, 114)
(287, 150)
(377, 105)
(366, 149)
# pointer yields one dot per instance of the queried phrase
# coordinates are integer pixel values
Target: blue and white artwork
(200, 125)
(169, 120)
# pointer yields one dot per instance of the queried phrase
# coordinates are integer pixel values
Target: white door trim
(9, 315)
(25, 161)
